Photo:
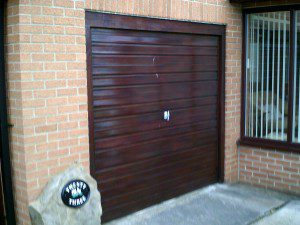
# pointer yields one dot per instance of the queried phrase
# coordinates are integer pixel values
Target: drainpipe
(5, 155)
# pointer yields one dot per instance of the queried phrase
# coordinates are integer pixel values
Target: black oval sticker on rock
(75, 193)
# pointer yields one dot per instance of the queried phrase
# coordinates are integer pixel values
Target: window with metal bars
(271, 87)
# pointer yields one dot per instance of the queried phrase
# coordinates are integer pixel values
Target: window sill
(269, 144)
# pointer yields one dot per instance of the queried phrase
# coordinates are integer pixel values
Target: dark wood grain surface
(135, 75)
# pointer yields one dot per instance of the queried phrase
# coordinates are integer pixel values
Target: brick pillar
(47, 93)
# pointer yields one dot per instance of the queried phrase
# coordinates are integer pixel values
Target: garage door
(155, 88)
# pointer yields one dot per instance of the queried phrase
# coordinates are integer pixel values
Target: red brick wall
(46, 66)
(270, 169)
(47, 91)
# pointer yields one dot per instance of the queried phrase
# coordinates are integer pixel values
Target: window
(296, 94)
(271, 90)
(267, 75)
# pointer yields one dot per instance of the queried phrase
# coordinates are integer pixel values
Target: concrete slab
(289, 215)
(217, 204)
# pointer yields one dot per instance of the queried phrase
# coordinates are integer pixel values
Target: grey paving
(289, 214)
(219, 204)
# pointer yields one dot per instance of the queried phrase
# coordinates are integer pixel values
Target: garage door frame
(116, 21)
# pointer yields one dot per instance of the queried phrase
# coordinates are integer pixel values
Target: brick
(253, 157)
(282, 186)
(68, 143)
(64, 74)
(295, 158)
(32, 85)
(55, 84)
(30, 10)
(43, 57)
(41, 20)
(260, 153)
(41, 2)
(290, 169)
(67, 109)
(76, 66)
(275, 155)
(296, 176)
(54, 48)
(45, 148)
(274, 167)
(55, 66)
(30, 29)
(56, 101)
(53, 30)
(35, 66)
(279, 174)
(45, 93)
(269, 160)
(65, 39)
(74, 13)
(75, 30)
(64, 21)
(77, 83)
(53, 11)
(42, 38)
(58, 136)
(68, 125)
(29, 48)
(65, 57)
(283, 163)
(46, 128)
(34, 121)
(76, 48)
(65, 3)
(69, 160)
(246, 151)
(42, 75)
(67, 92)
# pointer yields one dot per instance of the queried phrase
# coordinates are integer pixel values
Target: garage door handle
(167, 115)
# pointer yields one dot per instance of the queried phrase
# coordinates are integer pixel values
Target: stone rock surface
(49, 209)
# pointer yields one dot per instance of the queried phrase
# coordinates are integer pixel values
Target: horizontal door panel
(142, 108)
(130, 124)
(134, 138)
(167, 68)
(156, 163)
(157, 175)
(156, 38)
(100, 61)
(152, 93)
(141, 151)
(99, 48)
(137, 79)
(177, 113)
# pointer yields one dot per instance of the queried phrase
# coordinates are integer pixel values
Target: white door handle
(167, 115)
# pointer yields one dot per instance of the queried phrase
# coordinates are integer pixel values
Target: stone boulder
(49, 208)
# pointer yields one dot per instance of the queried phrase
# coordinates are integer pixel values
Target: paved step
(219, 204)
(289, 214)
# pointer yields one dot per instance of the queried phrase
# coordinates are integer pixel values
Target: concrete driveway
(221, 204)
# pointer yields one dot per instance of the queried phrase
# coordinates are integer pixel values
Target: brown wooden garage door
(155, 88)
